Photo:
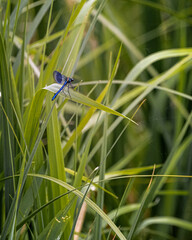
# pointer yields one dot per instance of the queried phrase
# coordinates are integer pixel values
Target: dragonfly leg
(71, 85)
(68, 90)
(63, 90)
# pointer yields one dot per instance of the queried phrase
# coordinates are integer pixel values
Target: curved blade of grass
(91, 111)
(24, 221)
(123, 38)
(162, 78)
(112, 175)
(64, 55)
(165, 220)
(136, 91)
(124, 210)
(89, 202)
(29, 199)
(80, 98)
(85, 179)
(130, 171)
(144, 63)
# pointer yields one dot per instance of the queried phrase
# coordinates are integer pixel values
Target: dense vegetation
(111, 157)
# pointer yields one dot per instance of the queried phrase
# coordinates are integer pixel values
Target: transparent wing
(64, 78)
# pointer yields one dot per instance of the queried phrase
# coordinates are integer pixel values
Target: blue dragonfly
(62, 79)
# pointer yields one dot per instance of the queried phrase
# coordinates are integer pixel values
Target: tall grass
(112, 159)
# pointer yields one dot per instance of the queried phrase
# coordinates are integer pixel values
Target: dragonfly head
(71, 79)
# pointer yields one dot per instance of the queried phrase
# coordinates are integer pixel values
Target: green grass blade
(57, 168)
(58, 225)
(168, 166)
(143, 64)
(7, 135)
(80, 206)
(87, 200)
(11, 218)
(100, 197)
(14, 13)
(85, 120)
(161, 79)
(15, 26)
(166, 220)
(6, 19)
(33, 28)
(91, 3)
(80, 98)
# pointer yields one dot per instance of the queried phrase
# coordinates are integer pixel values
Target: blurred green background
(129, 59)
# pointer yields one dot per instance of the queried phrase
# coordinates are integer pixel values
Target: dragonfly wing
(58, 77)
(64, 78)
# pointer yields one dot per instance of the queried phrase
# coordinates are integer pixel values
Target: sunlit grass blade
(80, 98)
(32, 123)
(143, 64)
(64, 54)
(49, 149)
(159, 80)
(57, 168)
